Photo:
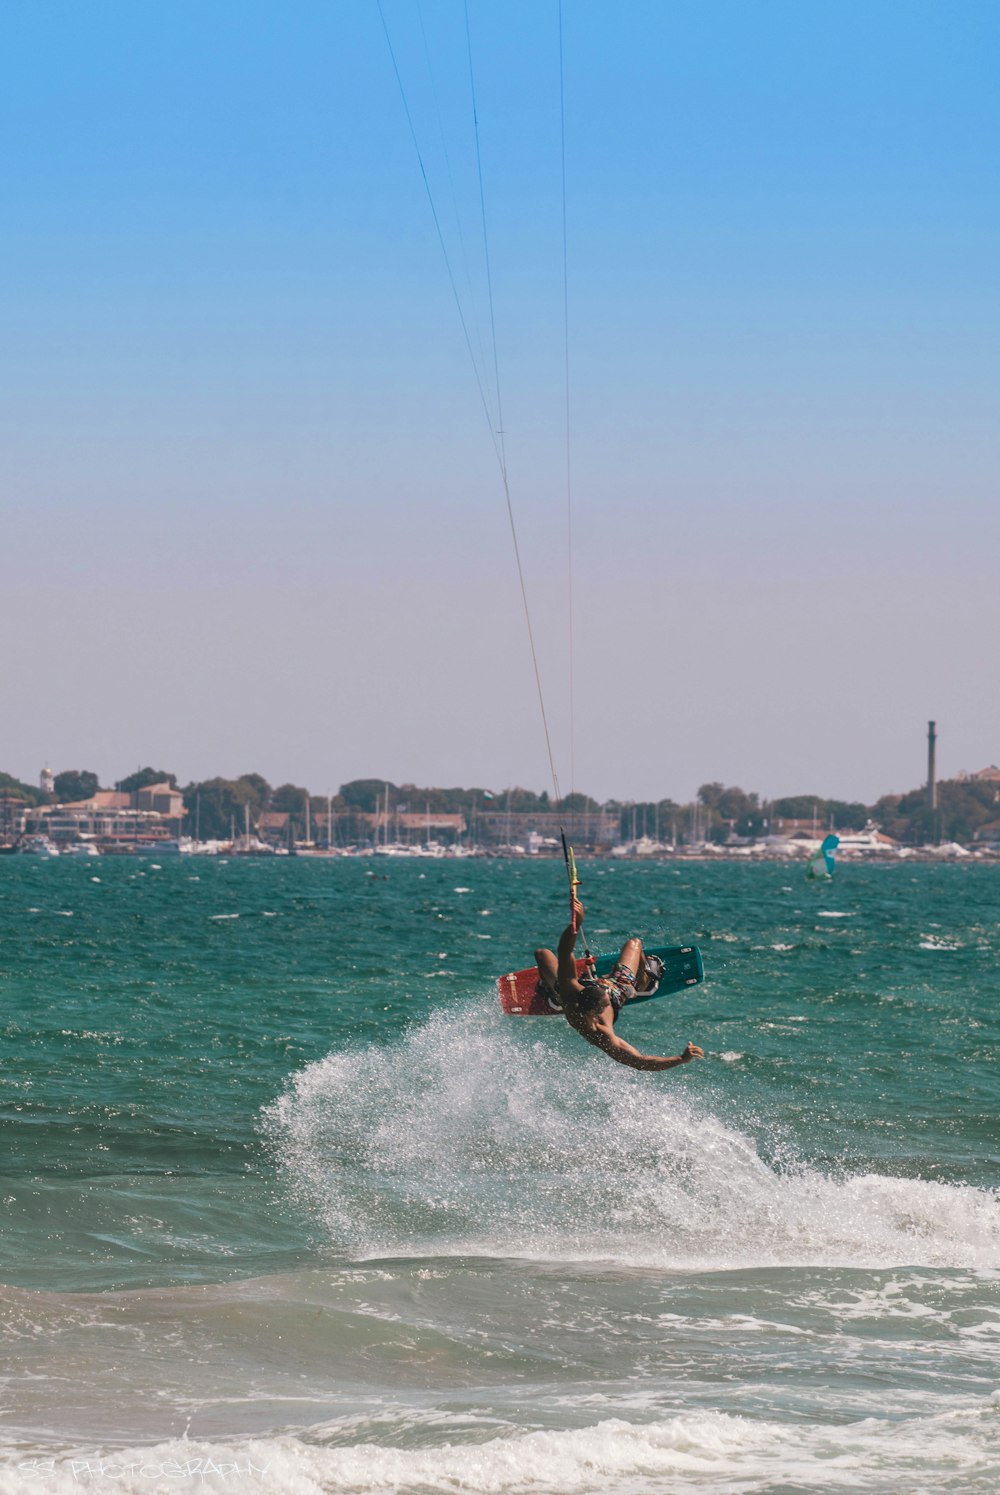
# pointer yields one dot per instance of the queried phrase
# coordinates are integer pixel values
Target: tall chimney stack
(932, 797)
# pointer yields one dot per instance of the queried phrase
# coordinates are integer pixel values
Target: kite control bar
(574, 883)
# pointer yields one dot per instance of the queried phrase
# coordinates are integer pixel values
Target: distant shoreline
(755, 855)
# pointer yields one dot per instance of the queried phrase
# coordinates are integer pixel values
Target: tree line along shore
(372, 811)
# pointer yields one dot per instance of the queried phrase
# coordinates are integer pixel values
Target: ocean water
(288, 1205)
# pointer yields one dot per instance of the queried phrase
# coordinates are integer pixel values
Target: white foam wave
(469, 1136)
(706, 1450)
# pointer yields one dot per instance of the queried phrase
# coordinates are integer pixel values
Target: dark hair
(592, 997)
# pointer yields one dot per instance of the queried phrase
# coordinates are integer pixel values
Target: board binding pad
(520, 995)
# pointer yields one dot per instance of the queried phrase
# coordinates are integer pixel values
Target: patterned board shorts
(619, 985)
(624, 979)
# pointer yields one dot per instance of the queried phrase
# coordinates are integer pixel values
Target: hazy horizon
(252, 518)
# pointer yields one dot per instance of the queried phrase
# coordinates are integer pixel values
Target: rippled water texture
(288, 1204)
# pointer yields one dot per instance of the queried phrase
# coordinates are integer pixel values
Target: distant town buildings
(274, 827)
(989, 775)
(12, 816)
(589, 830)
(155, 818)
(153, 815)
(404, 827)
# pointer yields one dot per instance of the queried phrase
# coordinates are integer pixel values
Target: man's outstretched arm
(623, 1053)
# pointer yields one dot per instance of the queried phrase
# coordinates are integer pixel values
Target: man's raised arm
(564, 952)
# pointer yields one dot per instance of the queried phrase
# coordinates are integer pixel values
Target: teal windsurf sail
(822, 864)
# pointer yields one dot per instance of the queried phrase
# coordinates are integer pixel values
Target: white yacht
(38, 846)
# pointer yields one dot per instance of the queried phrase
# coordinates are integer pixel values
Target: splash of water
(466, 1136)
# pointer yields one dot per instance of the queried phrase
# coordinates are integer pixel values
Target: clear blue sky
(251, 515)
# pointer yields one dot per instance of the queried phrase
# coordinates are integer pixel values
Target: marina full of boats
(868, 845)
(44, 846)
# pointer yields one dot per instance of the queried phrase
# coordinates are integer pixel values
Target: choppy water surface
(289, 1205)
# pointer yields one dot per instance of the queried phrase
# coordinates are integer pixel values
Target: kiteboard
(521, 994)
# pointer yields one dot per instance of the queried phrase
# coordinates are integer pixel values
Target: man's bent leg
(548, 968)
(632, 956)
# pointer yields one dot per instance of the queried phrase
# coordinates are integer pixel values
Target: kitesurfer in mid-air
(591, 1004)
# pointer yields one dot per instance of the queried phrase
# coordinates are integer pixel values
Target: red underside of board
(519, 993)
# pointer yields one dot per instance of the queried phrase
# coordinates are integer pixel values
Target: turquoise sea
(288, 1204)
